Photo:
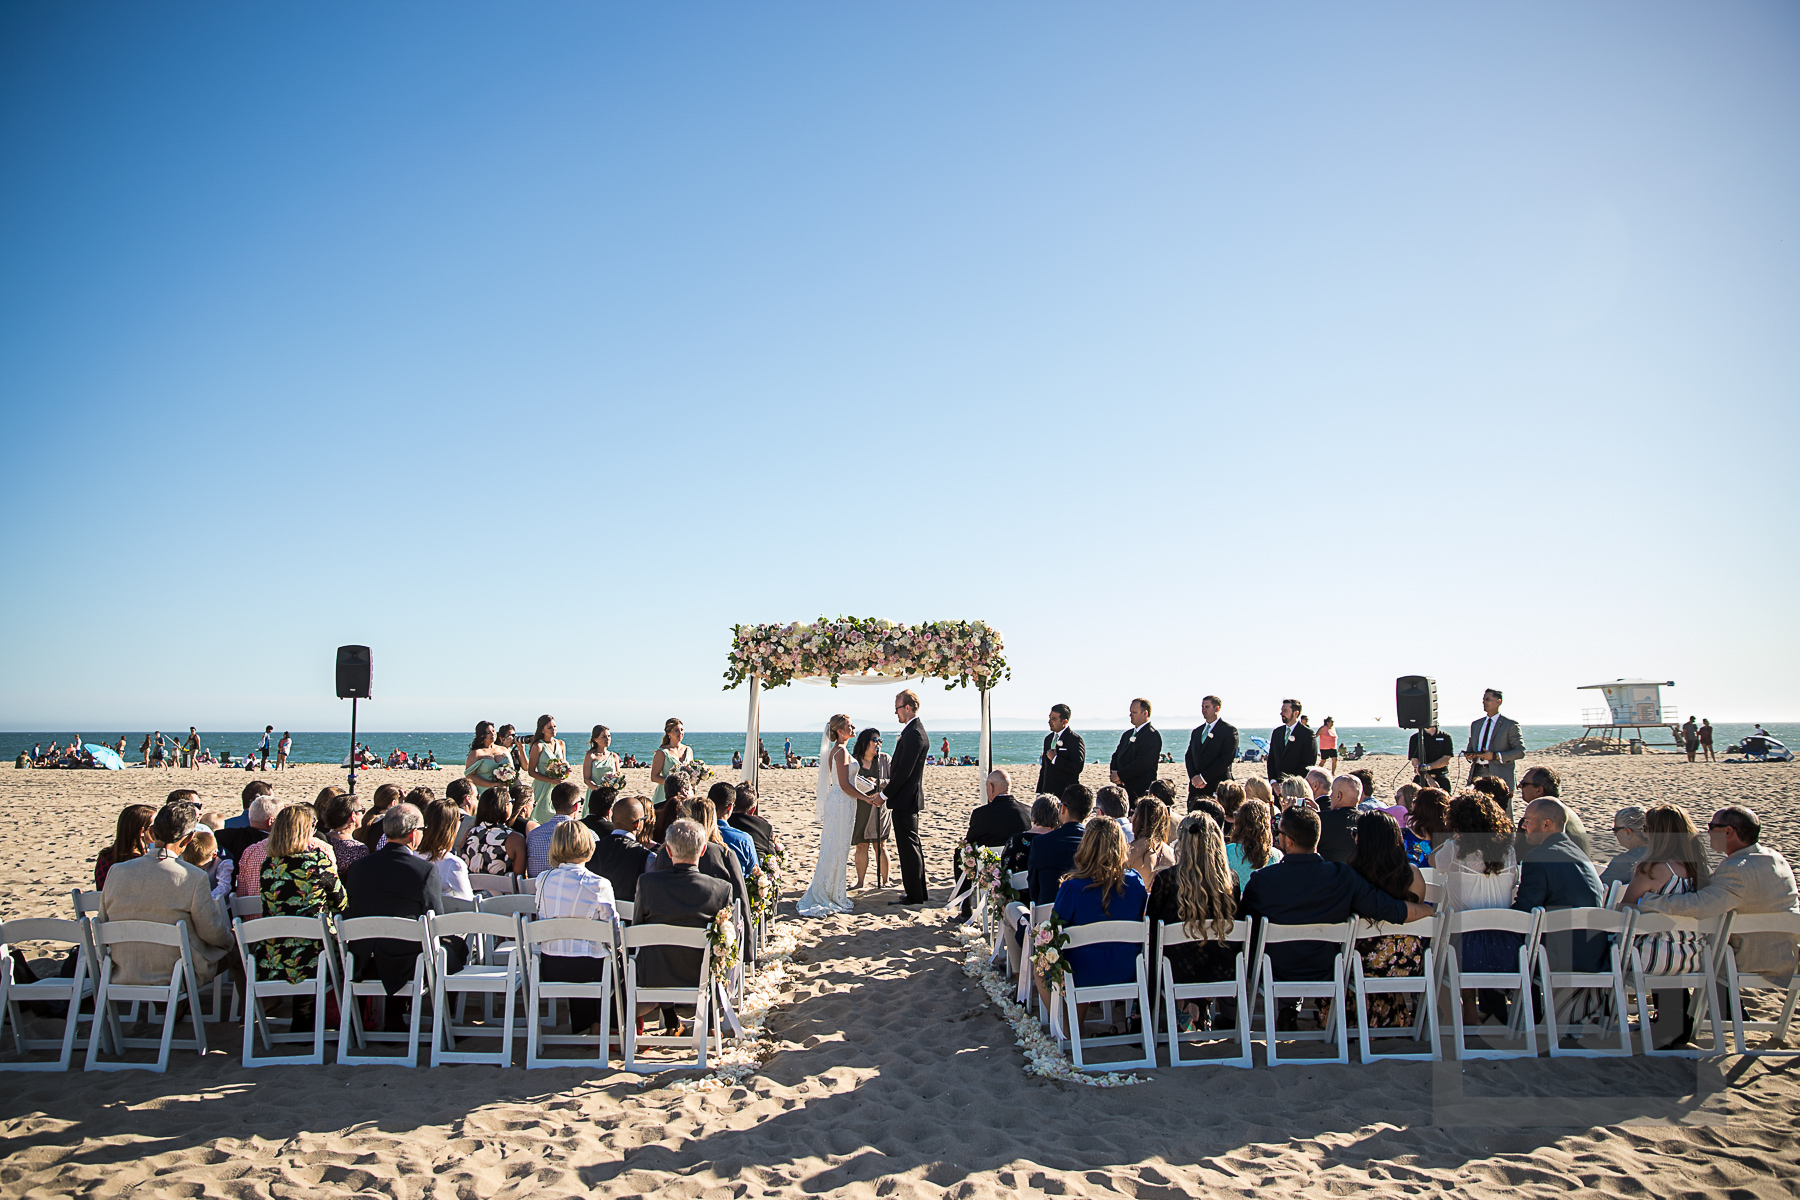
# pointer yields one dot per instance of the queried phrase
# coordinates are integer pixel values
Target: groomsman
(905, 792)
(1292, 748)
(1065, 753)
(1494, 742)
(1212, 748)
(1140, 749)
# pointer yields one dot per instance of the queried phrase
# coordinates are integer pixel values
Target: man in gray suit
(1751, 879)
(1494, 742)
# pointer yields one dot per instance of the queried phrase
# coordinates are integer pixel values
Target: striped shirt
(572, 890)
(537, 845)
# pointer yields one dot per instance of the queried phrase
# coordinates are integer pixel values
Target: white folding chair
(1702, 978)
(1738, 982)
(1572, 922)
(1067, 997)
(1448, 946)
(1028, 994)
(495, 885)
(542, 991)
(352, 1037)
(523, 904)
(1337, 1024)
(183, 984)
(1174, 933)
(69, 991)
(626, 909)
(484, 975)
(700, 996)
(256, 1020)
(1423, 986)
(247, 908)
(1615, 891)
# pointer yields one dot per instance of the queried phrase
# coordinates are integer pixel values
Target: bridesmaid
(601, 763)
(668, 759)
(484, 756)
(546, 748)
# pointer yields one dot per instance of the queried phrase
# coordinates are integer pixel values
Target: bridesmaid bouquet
(721, 935)
(1047, 942)
(694, 771)
(504, 773)
(556, 768)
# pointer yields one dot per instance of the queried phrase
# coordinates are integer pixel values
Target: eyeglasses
(1718, 825)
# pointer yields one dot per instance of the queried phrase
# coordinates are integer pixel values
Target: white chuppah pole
(986, 751)
(753, 735)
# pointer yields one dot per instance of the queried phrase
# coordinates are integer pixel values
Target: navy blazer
(1052, 857)
(1556, 874)
(1304, 889)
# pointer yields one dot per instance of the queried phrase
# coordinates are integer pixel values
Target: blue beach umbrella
(104, 756)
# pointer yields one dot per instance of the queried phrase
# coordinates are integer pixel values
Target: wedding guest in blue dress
(1100, 888)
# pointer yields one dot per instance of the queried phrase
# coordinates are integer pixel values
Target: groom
(905, 792)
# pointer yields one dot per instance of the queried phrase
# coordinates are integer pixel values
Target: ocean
(1010, 746)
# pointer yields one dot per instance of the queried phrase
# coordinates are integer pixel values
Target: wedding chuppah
(867, 651)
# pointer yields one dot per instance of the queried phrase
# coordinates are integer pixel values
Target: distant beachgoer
(1706, 738)
(268, 733)
(1690, 737)
(1328, 743)
(190, 750)
(946, 749)
(282, 750)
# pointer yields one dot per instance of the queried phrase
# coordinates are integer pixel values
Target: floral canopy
(959, 652)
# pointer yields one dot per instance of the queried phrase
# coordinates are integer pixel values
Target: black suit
(1071, 756)
(1337, 833)
(1211, 758)
(993, 824)
(1292, 758)
(619, 859)
(762, 834)
(905, 792)
(392, 882)
(1051, 856)
(1304, 889)
(678, 895)
(1136, 760)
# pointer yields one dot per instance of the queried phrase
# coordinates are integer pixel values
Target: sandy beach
(889, 1072)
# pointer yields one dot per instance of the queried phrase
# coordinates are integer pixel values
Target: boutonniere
(1134, 738)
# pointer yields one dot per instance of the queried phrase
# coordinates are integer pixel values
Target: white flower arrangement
(956, 651)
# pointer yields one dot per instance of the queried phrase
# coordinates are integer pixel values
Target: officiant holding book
(1140, 749)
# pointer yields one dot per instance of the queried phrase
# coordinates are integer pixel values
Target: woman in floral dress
(1380, 858)
(299, 879)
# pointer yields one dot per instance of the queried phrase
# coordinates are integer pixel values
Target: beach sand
(891, 1074)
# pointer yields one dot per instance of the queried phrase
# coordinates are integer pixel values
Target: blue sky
(1266, 351)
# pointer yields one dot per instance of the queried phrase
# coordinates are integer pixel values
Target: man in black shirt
(1431, 761)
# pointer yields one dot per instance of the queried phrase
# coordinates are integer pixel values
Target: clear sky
(1263, 350)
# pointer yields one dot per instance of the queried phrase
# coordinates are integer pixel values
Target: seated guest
(386, 796)
(678, 894)
(203, 851)
(1163, 790)
(992, 825)
(519, 804)
(394, 882)
(1380, 858)
(449, 873)
(1542, 781)
(569, 889)
(1366, 777)
(338, 816)
(1200, 893)
(158, 886)
(722, 796)
(1110, 802)
(564, 798)
(1252, 845)
(1628, 831)
(253, 789)
(1150, 851)
(1480, 868)
(461, 792)
(1053, 854)
(1318, 787)
(1673, 864)
(1099, 888)
(1427, 825)
(1751, 878)
(298, 880)
(715, 859)
(1401, 808)
(1228, 795)
(263, 811)
(492, 846)
(1556, 874)
(131, 838)
(1015, 856)
(676, 789)
(1305, 889)
(1209, 806)
(744, 818)
(600, 802)
(1337, 822)
(620, 857)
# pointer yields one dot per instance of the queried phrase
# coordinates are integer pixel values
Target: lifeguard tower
(1631, 704)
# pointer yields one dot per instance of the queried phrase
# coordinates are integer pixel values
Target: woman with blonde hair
(669, 758)
(1294, 791)
(1149, 852)
(1252, 844)
(835, 804)
(547, 762)
(569, 889)
(1200, 893)
(1674, 864)
(1099, 887)
(298, 879)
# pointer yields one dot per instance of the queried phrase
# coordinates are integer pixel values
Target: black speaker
(1415, 701)
(355, 672)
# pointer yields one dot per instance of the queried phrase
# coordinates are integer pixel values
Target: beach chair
(1337, 1024)
(1448, 947)
(1704, 980)
(1066, 998)
(495, 885)
(69, 991)
(256, 1019)
(541, 991)
(486, 974)
(1424, 986)
(1737, 983)
(183, 985)
(1573, 921)
(704, 998)
(352, 1037)
(1173, 933)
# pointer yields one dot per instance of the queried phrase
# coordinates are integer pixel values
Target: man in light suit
(1494, 742)
(1751, 879)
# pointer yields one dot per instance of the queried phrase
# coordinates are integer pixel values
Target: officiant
(1065, 753)
(1140, 749)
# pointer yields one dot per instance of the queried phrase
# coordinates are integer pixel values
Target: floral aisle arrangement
(722, 936)
(1047, 943)
(959, 652)
(764, 891)
(1042, 1055)
(981, 867)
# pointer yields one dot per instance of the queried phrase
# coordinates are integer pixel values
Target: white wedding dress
(830, 890)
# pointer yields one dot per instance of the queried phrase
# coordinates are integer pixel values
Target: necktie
(1487, 733)
(1205, 732)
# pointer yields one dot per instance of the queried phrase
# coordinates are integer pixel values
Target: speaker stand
(353, 745)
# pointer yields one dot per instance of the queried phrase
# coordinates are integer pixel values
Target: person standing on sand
(268, 734)
(190, 750)
(1494, 742)
(282, 749)
(1065, 753)
(905, 792)
(1706, 734)
(1690, 737)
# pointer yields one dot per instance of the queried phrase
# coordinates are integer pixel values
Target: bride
(836, 795)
